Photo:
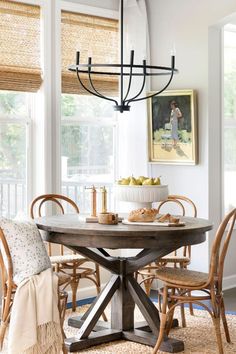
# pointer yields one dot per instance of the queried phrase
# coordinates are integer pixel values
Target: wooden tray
(153, 223)
(94, 219)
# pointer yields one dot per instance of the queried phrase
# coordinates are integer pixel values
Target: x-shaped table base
(124, 292)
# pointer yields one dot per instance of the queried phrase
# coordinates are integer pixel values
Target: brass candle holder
(104, 199)
(93, 200)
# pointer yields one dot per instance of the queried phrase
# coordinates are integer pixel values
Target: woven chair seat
(66, 258)
(182, 277)
(63, 278)
(174, 259)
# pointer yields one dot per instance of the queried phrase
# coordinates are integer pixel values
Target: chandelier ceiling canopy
(126, 73)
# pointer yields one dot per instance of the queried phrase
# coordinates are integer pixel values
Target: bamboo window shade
(92, 36)
(19, 47)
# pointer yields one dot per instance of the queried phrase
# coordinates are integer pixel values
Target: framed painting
(173, 127)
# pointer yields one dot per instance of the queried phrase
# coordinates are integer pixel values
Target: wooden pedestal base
(124, 292)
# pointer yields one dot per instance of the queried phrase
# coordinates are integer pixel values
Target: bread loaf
(168, 218)
(143, 215)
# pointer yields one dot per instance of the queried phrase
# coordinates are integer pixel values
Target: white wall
(186, 23)
(193, 27)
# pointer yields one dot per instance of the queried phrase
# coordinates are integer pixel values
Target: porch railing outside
(13, 196)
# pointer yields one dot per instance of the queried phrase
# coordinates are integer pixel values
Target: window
(14, 136)
(20, 77)
(88, 130)
(229, 117)
(88, 140)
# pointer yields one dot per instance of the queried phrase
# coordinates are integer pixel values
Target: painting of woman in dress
(172, 127)
(175, 115)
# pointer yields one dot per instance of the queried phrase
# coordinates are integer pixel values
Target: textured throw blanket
(35, 322)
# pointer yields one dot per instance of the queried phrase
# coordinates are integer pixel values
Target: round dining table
(93, 241)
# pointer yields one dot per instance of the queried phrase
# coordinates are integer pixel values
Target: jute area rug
(198, 336)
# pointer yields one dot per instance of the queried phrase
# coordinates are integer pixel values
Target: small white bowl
(141, 194)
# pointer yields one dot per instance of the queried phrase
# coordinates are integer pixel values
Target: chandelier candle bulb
(77, 57)
(173, 51)
(172, 61)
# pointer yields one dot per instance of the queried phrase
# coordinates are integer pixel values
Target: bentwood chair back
(67, 261)
(186, 207)
(220, 248)
(179, 258)
(8, 285)
(179, 283)
(61, 201)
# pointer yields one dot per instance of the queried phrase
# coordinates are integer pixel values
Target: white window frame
(223, 126)
(45, 160)
(90, 10)
(101, 122)
(26, 121)
(215, 121)
(29, 121)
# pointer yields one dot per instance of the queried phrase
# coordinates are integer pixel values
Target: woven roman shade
(19, 47)
(92, 36)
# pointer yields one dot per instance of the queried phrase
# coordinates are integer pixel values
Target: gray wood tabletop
(71, 229)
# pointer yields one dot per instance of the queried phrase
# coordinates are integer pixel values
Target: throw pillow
(28, 252)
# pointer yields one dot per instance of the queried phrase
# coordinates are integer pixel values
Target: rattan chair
(179, 282)
(9, 289)
(180, 258)
(67, 262)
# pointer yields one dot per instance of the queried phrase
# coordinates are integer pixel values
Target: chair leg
(3, 328)
(62, 302)
(7, 301)
(191, 309)
(183, 319)
(184, 266)
(182, 311)
(74, 286)
(226, 329)
(160, 301)
(216, 322)
(171, 313)
(64, 350)
(163, 321)
(190, 306)
(97, 275)
(148, 285)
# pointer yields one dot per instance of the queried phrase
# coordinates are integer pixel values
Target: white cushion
(28, 252)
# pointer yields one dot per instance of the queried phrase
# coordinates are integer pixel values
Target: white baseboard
(229, 282)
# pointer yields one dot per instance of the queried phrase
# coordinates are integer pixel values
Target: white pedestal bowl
(141, 196)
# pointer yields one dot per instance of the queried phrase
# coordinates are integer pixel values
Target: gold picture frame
(172, 119)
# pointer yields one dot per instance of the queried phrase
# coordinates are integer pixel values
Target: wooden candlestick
(104, 199)
(93, 201)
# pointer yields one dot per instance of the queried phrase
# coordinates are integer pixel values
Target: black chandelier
(125, 71)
